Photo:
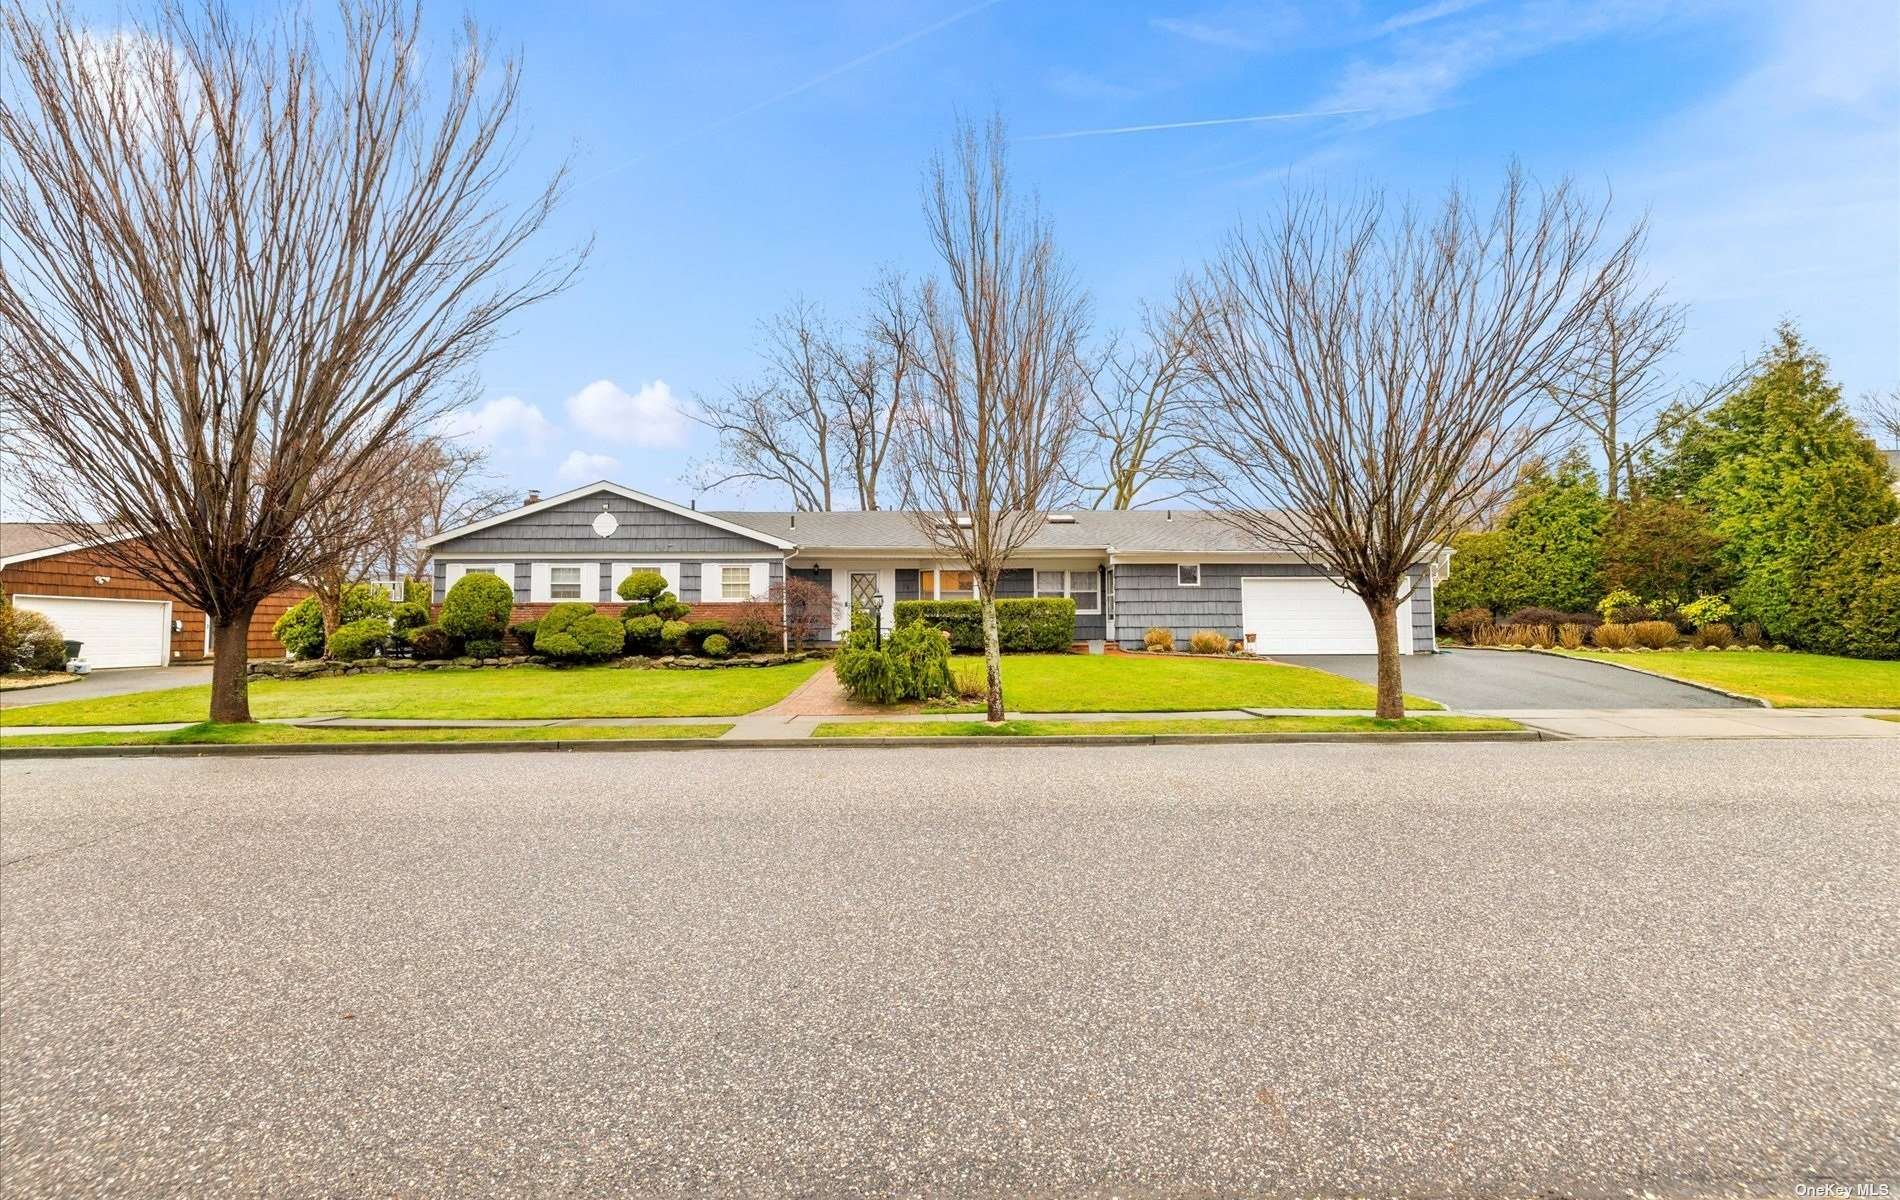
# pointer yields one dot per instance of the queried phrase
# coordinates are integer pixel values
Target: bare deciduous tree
(819, 423)
(1618, 391)
(1883, 416)
(449, 485)
(1367, 380)
(237, 262)
(1135, 450)
(982, 451)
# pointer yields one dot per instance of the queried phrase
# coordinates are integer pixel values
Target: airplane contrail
(1292, 116)
(815, 81)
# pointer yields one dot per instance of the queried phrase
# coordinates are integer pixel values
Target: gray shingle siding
(568, 528)
(1147, 595)
(439, 571)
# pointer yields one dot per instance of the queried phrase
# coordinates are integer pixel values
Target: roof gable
(710, 520)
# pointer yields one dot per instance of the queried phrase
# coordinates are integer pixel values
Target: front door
(863, 591)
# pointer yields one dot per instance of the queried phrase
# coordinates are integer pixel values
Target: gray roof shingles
(1138, 531)
(27, 537)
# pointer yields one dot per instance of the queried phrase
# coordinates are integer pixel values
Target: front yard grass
(1175, 725)
(456, 694)
(1054, 683)
(207, 734)
(1791, 680)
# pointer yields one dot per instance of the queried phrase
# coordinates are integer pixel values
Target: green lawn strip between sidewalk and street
(1789, 680)
(456, 694)
(1062, 683)
(208, 734)
(1181, 725)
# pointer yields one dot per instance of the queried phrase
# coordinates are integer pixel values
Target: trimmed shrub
(698, 631)
(300, 630)
(646, 596)
(1043, 624)
(970, 681)
(29, 641)
(672, 633)
(1158, 639)
(1208, 641)
(716, 646)
(417, 591)
(434, 642)
(1853, 604)
(478, 606)
(1571, 635)
(1552, 617)
(1715, 636)
(1752, 634)
(575, 632)
(1655, 635)
(1612, 636)
(923, 655)
(408, 615)
(643, 633)
(1706, 610)
(1465, 623)
(482, 647)
(359, 639)
(1518, 635)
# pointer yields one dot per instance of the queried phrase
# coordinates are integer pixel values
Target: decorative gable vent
(605, 524)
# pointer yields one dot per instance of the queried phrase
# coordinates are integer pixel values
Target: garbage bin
(72, 650)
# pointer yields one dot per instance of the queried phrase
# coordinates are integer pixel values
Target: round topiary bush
(300, 630)
(410, 614)
(646, 596)
(672, 633)
(482, 648)
(716, 646)
(576, 633)
(359, 639)
(643, 633)
(478, 606)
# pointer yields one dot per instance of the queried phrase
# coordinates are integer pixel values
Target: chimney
(534, 497)
(794, 520)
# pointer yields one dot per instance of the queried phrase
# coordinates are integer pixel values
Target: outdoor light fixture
(877, 618)
(102, 579)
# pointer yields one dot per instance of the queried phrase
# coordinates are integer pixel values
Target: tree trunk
(330, 604)
(992, 658)
(1384, 610)
(230, 685)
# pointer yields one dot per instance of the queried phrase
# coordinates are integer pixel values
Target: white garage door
(1307, 616)
(115, 633)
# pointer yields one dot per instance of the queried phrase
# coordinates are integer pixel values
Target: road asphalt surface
(1558, 969)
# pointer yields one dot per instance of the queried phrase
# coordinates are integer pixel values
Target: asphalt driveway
(1496, 681)
(118, 682)
(1563, 969)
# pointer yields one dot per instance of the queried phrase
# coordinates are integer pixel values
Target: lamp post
(877, 618)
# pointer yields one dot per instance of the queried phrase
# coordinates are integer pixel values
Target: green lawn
(838, 729)
(456, 694)
(1129, 683)
(1784, 680)
(207, 734)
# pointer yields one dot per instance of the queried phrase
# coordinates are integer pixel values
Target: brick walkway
(823, 696)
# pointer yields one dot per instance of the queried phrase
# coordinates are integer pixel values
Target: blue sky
(731, 156)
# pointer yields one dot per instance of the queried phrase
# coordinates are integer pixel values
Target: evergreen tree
(1544, 554)
(1786, 476)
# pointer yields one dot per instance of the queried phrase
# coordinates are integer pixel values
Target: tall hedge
(1022, 625)
(1545, 554)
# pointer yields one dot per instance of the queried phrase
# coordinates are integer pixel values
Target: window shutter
(761, 580)
(709, 591)
(538, 587)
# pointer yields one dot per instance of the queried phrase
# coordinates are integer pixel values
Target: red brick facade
(72, 575)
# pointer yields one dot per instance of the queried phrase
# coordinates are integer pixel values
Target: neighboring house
(1893, 468)
(1126, 571)
(122, 620)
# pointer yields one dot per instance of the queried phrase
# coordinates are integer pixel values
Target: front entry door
(863, 588)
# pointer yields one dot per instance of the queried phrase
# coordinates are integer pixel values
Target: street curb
(1710, 688)
(688, 744)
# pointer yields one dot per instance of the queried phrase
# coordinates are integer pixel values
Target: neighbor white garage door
(1306, 616)
(115, 633)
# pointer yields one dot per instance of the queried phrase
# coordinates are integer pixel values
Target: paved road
(1489, 680)
(1562, 969)
(110, 683)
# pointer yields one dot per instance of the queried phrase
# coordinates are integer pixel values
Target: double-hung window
(564, 582)
(1084, 587)
(735, 583)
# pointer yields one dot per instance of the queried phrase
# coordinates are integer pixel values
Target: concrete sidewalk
(774, 725)
(1704, 723)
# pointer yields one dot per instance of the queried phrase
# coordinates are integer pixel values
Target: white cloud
(1425, 13)
(1247, 27)
(582, 467)
(649, 417)
(506, 422)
